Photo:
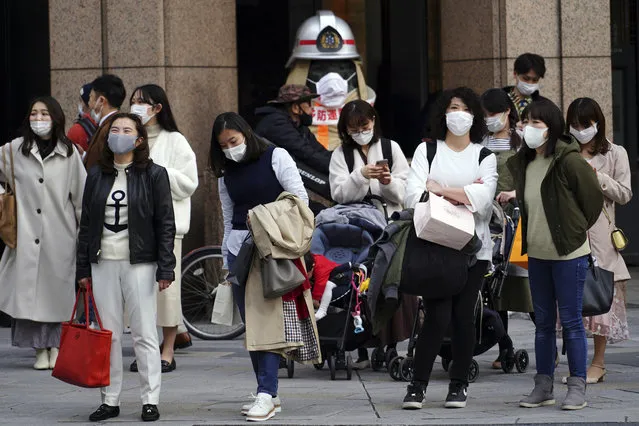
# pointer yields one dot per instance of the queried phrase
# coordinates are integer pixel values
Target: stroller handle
(370, 197)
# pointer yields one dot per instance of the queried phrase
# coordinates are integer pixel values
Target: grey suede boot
(576, 396)
(541, 394)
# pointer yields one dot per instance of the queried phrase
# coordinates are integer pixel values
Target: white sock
(325, 301)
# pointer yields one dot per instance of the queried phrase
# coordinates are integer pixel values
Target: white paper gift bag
(439, 221)
(225, 310)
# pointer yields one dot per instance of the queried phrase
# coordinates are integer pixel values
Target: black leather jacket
(150, 213)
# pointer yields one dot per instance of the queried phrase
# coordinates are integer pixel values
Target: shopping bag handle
(88, 295)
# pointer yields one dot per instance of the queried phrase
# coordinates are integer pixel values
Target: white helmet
(324, 36)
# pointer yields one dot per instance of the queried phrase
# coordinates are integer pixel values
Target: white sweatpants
(118, 284)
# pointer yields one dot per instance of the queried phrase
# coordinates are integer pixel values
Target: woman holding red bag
(125, 245)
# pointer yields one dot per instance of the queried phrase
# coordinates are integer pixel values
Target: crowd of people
(107, 204)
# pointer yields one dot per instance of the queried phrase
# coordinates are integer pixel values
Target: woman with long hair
(37, 276)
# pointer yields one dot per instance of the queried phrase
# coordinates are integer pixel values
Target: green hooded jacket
(570, 194)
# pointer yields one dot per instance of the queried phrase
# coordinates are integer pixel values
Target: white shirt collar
(107, 116)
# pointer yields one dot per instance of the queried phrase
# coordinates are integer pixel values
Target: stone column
(186, 46)
(480, 40)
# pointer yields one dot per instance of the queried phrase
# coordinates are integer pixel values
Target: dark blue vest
(251, 184)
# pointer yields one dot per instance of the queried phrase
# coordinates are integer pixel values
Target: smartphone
(382, 163)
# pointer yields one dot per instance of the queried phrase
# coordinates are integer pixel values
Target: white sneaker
(53, 357)
(276, 402)
(42, 359)
(262, 409)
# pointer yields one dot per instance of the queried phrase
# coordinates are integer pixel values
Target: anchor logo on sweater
(117, 197)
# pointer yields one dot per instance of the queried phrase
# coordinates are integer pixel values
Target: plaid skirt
(300, 331)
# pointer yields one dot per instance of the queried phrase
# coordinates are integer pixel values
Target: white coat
(172, 151)
(37, 278)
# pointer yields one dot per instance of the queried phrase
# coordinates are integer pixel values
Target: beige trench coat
(37, 278)
(282, 229)
(613, 172)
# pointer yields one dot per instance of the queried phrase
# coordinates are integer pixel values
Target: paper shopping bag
(516, 258)
(225, 311)
(439, 221)
(85, 354)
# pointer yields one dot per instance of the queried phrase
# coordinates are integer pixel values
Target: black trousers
(460, 311)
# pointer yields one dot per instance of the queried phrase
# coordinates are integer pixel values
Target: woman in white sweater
(359, 167)
(169, 149)
(464, 172)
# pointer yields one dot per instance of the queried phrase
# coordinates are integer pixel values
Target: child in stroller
(489, 326)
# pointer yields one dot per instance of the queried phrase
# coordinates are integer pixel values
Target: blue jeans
(559, 284)
(265, 364)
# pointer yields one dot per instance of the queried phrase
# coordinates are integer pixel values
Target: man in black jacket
(285, 123)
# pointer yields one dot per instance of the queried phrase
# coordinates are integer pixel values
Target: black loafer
(150, 413)
(134, 366)
(167, 367)
(104, 412)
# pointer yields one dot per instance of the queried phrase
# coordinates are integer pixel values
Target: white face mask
(41, 128)
(459, 122)
(526, 89)
(142, 112)
(96, 116)
(235, 153)
(520, 132)
(333, 89)
(534, 137)
(584, 136)
(362, 138)
(495, 124)
(80, 110)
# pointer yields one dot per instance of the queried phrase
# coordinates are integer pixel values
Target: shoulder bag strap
(13, 174)
(387, 152)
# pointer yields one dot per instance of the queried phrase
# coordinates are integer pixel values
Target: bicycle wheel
(201, 274)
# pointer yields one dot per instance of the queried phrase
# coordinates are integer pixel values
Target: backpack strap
(349, 157)
(485, 152)
(431, 150)
(88, 126)
(387, 152)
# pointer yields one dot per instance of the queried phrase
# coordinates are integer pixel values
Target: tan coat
(283, 229)
(613, 173)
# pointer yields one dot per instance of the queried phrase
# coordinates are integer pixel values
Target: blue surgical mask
(120, 143)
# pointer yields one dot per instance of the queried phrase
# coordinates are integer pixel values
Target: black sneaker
(104, 412)
(457, 395)
(414, 398)
(150, 413)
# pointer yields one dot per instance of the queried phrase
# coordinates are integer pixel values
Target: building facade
(218, 55)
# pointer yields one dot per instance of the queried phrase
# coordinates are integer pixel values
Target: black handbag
(434, 271)
(239, 272)
(599, 289)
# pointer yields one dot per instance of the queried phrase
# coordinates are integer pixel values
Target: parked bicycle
(202, 273)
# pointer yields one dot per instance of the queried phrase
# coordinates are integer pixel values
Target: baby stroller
(489, 326)
(344, 235)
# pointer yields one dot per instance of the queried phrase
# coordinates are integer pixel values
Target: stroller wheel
(445, 364)
(349, 367)
(331, 366)
(406, 369)
(473, 372)
(394, 368)
(508, 361)
(290, 368)
(521, 360)
(377, 359)
(319, 365)
(390, 355)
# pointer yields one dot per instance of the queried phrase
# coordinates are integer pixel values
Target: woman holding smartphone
(366, 163)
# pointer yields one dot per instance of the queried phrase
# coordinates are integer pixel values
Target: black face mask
(306, 119)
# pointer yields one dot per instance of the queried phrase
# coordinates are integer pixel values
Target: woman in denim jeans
(560, 200)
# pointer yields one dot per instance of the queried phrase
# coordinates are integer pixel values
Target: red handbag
(85, 354)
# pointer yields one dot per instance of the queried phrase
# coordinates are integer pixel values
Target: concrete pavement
(214, 379)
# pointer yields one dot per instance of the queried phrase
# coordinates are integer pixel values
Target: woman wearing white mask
(464, 172)
(36, 277)
(122, 254)
(362, 165)
(560, 199)
(587, 124)
(169, 149)
(250, 173)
